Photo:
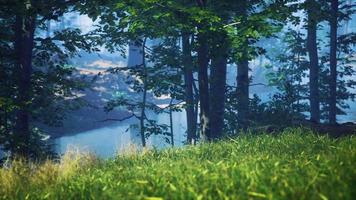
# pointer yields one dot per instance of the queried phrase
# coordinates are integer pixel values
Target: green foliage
(345, 70)
(295, 164)
(254, 20)
(167, 70)
(280, 111)
(288, 78)
(53, 83)
(39, 147)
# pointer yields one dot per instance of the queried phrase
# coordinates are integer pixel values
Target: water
(106, 142)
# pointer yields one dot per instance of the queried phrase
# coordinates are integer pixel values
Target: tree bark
(203, 62)
(218, 87)
(242, 79)
(171, 122)
(144, 96)
(189, 95)
(243, 92)
(333, 61)
(313, 62)
(24, 43)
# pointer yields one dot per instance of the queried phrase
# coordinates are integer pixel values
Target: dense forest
(232, 67)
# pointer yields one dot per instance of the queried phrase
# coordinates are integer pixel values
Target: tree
(160, 74)
(290, 100)
(37, 65)
(242, 78)
(333, 61)
(203, 64)
(219, 53)
(218, 83)
(24, 42)
(253, 20)
(313, 8)
(189, 94)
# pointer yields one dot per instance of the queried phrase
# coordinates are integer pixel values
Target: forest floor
(295, 164)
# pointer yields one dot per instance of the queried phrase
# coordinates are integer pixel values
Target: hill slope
(295, 164)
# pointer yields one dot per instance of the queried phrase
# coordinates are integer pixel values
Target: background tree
(159, 73)
(37, 65)
(344, 50)
(313, 18)
(253, 20)
(290, 101)
(333, 59)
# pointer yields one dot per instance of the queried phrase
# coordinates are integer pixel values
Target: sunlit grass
(295, 164)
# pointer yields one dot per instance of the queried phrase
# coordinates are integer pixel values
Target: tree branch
(119, 120)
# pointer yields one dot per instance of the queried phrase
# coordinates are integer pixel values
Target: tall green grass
(295, 164)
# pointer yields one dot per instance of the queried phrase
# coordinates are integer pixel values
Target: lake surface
(106, 142)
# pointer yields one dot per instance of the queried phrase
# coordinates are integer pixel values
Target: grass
(295, 164)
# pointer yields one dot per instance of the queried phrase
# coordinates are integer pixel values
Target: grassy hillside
(296, 164)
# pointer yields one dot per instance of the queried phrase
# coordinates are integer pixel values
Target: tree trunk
(203, 78)
(243, 92)
(144, 96)
(333, 61)
(171, 122)
(189, 95)
(203, 62)
(196, 109)
(242, 79)
(218, 87)
(24, 42)
(313, 60)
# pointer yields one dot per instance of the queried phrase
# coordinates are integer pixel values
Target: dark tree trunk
(218, 87)
(196, 108)
(171, 122)
(242, 79)
(24, 42)
(333, 61)
(203, 62)
(313, 62)
(242, 92)
(189, 95)
(144, 96)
